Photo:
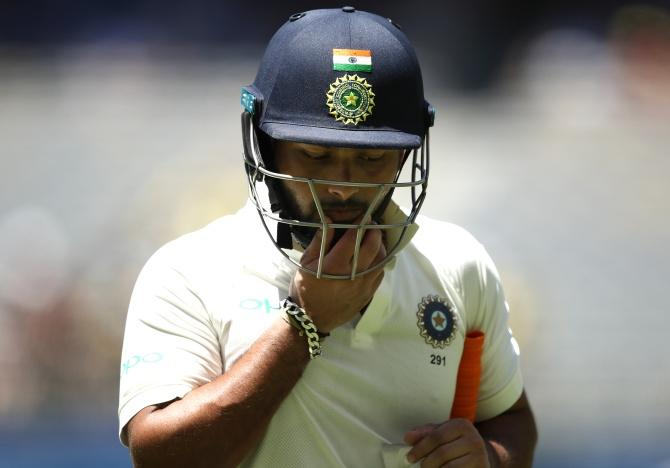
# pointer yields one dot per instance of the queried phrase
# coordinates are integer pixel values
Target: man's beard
(305, 234)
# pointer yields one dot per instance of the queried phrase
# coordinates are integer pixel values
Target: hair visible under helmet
(335, 77)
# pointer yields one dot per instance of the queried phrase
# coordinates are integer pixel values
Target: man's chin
(345, 216)
(304, 234)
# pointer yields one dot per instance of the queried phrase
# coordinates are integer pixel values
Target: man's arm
(511, 437)
(218, 423)
(506, 441)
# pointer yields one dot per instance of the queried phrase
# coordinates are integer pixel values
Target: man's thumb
(314, 248)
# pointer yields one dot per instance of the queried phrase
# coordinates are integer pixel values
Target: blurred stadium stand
(119, 131)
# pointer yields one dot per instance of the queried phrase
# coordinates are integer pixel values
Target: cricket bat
(469, 374)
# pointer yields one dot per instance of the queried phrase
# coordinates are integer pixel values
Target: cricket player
(323, 324)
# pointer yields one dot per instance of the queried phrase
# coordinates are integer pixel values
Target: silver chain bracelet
(298, 319)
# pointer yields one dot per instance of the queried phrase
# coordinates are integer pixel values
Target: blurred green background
(119, 130)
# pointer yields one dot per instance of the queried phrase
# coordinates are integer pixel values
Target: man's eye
(314, 155)
(371, 158)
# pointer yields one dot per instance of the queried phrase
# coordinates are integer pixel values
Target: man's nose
(342, 172)
(343, 192)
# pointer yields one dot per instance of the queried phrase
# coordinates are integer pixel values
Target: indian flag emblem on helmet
(350, 99)
(352, 60)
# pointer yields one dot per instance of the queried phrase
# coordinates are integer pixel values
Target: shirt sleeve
(170, 345)
(501, 382)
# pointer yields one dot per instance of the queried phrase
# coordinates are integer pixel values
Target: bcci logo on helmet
(350, 99)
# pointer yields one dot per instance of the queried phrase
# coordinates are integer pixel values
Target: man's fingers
(457, 453)
(439, 435)
(338, 258)
(311, 253)
(370, 252)
(418, 433)
(371, 248)
(381, 252)
(344, 247)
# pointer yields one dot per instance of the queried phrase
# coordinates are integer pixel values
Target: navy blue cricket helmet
(335, 77)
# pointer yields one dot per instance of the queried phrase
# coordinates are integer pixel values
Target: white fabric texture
(203, 299)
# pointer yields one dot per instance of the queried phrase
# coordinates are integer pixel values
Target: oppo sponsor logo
(136, 360)
(263, 305)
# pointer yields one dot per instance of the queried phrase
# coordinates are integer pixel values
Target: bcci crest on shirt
(437, 321)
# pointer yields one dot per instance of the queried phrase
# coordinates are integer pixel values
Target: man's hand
(331, 303)
(455, 443)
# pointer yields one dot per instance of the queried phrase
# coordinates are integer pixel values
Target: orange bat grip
(467, 381)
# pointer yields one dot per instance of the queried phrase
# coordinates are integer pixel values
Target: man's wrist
(296, 316)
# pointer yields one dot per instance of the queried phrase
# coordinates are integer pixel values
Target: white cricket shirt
(203, 299)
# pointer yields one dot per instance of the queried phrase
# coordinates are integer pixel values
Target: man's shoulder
(227, 236)
(451, 249)
(435, 234)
